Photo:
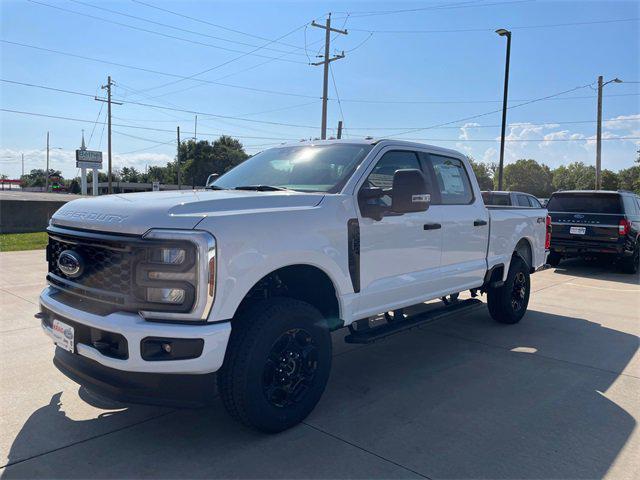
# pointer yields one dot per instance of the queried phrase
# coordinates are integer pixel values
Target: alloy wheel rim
(519, 291)
(290, 368)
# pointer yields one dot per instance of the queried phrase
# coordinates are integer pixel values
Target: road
(556, 396)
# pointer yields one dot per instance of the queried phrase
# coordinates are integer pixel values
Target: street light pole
(601, 85)
(504, 33)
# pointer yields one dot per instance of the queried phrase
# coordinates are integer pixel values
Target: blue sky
(393, 82)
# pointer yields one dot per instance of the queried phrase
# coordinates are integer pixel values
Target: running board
(370, 335)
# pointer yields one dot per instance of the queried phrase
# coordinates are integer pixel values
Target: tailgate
(585, 227)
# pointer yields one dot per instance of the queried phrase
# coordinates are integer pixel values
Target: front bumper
(134, 329)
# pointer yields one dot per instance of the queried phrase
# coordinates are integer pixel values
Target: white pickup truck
(151, 293)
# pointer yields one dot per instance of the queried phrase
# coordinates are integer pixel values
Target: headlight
(171, 255)
(176, 277)
(165, 295)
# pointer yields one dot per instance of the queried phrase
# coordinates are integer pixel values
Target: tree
(74, 186)
(629, 179)
(200, 159)
(527, 175)
(609, 180)
(483, 173)
(37, 177)
(129, 174)
(575, 176)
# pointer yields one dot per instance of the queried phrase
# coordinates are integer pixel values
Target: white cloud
(464, 130)
(623, 122)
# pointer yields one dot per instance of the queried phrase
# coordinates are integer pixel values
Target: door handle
(431, 226)
(479, 223)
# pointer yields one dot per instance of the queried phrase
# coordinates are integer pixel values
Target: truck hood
(135, 213)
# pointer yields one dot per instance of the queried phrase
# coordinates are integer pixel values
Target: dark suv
(590, 222)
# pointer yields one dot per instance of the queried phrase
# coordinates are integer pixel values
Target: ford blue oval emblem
(71, 264)
(578, 216)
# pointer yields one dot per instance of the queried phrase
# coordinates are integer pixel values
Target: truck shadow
(462, 398)
(603, 269)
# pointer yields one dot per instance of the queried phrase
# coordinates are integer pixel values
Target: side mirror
(410, 192)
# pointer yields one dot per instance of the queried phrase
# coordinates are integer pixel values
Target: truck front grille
(108, 266)
(105, 268)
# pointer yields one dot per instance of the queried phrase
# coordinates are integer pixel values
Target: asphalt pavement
(555, 396)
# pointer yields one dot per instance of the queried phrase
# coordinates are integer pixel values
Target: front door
(399, 254)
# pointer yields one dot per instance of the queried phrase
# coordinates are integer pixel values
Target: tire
(554, 258)
(508, 304)
(631, 264)
(277, 364)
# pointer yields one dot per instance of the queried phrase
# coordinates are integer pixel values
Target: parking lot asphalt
(555, 396)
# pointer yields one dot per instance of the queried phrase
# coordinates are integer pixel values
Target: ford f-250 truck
(151, 293)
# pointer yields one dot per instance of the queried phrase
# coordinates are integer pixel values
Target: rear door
(465, 224)
(585, 219)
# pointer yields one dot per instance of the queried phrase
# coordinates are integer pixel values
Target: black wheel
(508, 304)
(277, 364)
(632, 264)
(554, 258)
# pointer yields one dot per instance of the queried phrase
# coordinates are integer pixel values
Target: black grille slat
(104, 269)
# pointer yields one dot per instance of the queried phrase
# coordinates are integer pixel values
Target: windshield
(585, 203)
(308, 168)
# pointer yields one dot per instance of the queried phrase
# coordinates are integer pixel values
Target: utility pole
(46, 174)
(178, 158)
(107, 87)
(195, 130)
(23, 164)
(599, 135)
(601, 85)
(339, 130)
(325, 63)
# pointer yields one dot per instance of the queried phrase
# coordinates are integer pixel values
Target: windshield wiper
(214, 187)
(261, 188)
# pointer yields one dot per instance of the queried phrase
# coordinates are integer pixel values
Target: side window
(629, 205)
(382, 174)
(452, 179)
(535, 203)
(523, 201)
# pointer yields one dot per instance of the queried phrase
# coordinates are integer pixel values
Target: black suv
(595, 222)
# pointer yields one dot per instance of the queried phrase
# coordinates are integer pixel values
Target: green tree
(527, 175)
(629, 179)
(609, 180)
(129, 174)
(575, 176)
(37, 177)
(483, 174)
(200, 159)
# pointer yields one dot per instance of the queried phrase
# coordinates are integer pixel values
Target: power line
(161, 107)
(473, 117)
(444, 6)
(244, 54)
(57, 117)
(335, 88)
(276, 92)
(520, 124)
(213, 24)
(166, 35)
(193, 32)
(157, 72)
(491, 29)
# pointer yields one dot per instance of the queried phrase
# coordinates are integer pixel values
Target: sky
(430, 71)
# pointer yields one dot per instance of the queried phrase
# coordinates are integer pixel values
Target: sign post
(88, 159)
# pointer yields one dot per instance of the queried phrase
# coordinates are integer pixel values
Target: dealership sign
(88, 159)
